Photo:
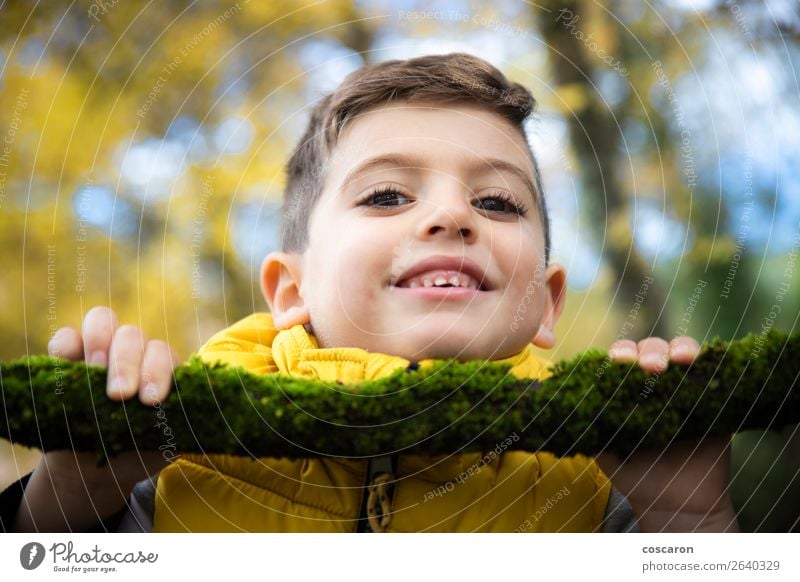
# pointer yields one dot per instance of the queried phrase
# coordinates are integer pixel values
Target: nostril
(463, 232)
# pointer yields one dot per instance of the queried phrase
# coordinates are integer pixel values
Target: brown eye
(500, 202)
(385, 197)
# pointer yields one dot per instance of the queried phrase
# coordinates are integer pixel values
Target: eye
(387, 196)
(501, 202)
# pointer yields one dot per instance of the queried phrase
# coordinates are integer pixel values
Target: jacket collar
(296, 352)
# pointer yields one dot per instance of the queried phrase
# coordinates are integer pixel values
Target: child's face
(445, 200)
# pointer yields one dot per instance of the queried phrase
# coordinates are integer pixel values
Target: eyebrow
(413, 161)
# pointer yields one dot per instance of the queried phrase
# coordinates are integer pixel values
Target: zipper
(385, 464)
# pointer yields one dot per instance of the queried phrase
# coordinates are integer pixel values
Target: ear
(281, 284)
(555, 288)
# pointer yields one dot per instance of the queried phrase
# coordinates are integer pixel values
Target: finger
(156, 378)
(684, 349)
(653, 354)
(66, 343)
(623, 351)
(125, 362)
(99, 326)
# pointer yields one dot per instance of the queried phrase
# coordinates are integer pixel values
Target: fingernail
(151, 392)
(98, 358)
(118, 385)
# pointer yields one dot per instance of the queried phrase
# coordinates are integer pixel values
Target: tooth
(427, 282)
(440, 280)
(413, 284)
(455, 281)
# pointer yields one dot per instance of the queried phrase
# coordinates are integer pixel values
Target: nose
(448, 215)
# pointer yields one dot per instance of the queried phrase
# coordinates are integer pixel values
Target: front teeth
(443, 278)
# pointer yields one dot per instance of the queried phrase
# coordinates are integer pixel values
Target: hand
(654, 353)
(135, 366)
(684, 486)
(67, 491)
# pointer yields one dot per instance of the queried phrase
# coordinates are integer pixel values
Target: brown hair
(455, 78)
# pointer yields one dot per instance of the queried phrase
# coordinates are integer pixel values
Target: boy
(414, 228)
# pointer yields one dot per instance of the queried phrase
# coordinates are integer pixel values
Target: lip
(445, 263)
(440, 293)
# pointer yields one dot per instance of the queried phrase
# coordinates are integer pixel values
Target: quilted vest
(494, 491)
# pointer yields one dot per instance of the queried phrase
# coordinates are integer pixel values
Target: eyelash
(516, 207)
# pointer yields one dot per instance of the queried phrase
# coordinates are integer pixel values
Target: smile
(440, 278)
(444, 272)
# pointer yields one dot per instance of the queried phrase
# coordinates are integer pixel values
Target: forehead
(441, 134)
(460, 140)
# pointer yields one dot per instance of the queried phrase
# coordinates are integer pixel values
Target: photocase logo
(31, 555)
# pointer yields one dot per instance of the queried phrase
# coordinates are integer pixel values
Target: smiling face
(425, 243)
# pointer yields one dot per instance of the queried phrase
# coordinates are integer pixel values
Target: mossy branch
(589, 404)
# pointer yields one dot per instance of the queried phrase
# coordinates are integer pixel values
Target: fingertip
(54, 347)
(653, 364)
(100, 314)
(157, 367)
(119, 388)
(623, 350)
(65, 343)
(150, 395)
(622, 354)
(684, 350)
(99, 326)
(683, 356)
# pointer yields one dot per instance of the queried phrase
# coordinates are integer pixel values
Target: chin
(442, 346)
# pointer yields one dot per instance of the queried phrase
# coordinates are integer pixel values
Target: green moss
(589, 404)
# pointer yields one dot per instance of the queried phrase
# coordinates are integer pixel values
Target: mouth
(443, 273)
(442, 278)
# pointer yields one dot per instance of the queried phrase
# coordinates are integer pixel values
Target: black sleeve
(11, 498)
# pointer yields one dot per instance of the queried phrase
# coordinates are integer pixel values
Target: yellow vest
(483, 492)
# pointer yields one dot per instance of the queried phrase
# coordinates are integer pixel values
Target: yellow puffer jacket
(485, 492)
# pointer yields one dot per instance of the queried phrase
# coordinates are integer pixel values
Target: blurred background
(143, 144)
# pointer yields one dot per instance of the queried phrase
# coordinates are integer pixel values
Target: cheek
(349, 267)
(523, 263)
(520, 257)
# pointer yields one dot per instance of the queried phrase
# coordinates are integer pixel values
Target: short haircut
(451, 79)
